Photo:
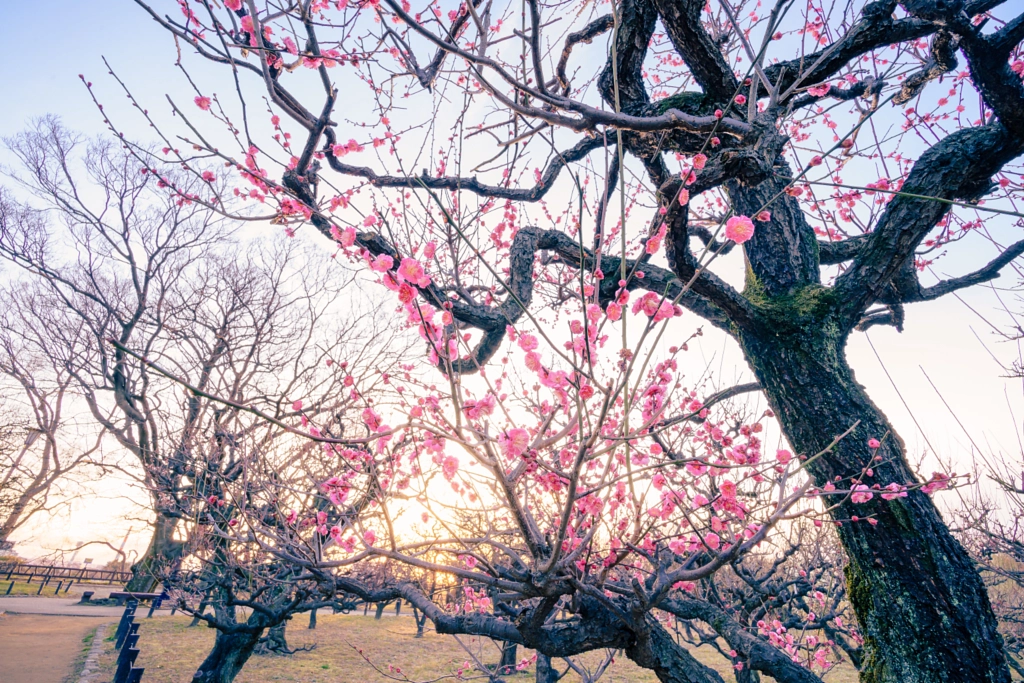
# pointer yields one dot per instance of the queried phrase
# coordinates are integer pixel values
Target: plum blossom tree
(703, 126)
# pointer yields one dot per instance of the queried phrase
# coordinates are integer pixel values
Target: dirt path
(41, 649)
(63, 607)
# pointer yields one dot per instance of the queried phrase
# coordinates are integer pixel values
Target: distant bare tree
(117, 270)
(36, 456)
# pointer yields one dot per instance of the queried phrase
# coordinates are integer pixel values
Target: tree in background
(133, 273)
(37, 456)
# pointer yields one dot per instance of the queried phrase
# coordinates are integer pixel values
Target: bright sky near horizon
(943, 340)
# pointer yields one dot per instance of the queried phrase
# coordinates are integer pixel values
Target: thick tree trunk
(747, 675)
(230, 653)
(923, 608)
(421, 621)
(196, 617)
(545, 672)
(380, 610)
(162, 554)
(13, 518)
(276, 642)
(654, 648)
(507, 665)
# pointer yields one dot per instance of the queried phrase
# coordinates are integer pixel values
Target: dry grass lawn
(171, 652)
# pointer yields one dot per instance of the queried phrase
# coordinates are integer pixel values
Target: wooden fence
(46, 572)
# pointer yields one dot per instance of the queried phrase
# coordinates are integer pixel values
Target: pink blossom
(874, 443)
(649, 303)
(369, 537)
(406, 293)
(515, 442)
(412, 271)
(449, 467)
(477, 409)
(699, 161)
(289, 45)
(345, 238)
(613, 311)
(938, 481)
(739, 229)
(203, 103)
(763, 216)
(341, 149)
(894, 491)
(372, 419)
(712, 540)
(741, 99)
(528, 342)
(208, 176)
(233, 5)
(783, 456)
(382, 263)
(297, 405)
(861, 494)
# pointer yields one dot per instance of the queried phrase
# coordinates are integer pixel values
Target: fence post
(10, 588)
(127, 617)
(124, 664)
(135, 675)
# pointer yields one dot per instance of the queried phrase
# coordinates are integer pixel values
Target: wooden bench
(122, 596)
(86, 597)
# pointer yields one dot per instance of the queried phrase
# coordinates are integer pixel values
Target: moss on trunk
(923, 608)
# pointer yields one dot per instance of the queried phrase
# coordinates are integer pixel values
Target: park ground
(345, 649)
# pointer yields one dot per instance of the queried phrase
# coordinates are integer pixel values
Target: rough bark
(546, 673)
(757, 654)
(275, 643)
(654, 648)
(923, 608)
(230, 652)
(161, 555)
